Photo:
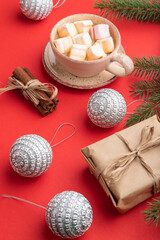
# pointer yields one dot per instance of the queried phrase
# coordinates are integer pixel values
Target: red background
(22, 44)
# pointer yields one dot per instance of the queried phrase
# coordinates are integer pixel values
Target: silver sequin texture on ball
(69, 214)
(106, 108)
(30, 155)
(36, 9)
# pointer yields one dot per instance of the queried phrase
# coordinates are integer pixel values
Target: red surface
(22, 44)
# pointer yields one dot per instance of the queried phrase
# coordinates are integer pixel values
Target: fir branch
(142, 10)
(144, 111)
(152, 214)
(144, 89)
(148, 90)
(147, 67)
(155, 97)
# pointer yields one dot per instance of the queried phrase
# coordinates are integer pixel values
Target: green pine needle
(152, 214)
(140, 10)
(147, 90)
(142, 112)
(147, 67)
(144, 89)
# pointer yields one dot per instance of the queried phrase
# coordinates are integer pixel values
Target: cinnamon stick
(22, 75)
(51, 104)
(45, 106)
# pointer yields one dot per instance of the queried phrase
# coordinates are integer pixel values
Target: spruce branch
(142, 10)
(152, 213)
(147, 90)
(144, 89)
(142, 112)
(147, 67)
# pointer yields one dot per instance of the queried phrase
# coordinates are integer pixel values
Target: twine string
(23, 200)
(115, 170)
(29, 89)
(65, 137)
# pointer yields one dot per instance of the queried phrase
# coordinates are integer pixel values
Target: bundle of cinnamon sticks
(46, 100)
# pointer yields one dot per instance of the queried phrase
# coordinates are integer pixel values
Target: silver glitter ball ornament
(106, 108)
(69, 214)
(36, 9)
(30, 155)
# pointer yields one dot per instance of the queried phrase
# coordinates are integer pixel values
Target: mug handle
(120, 65)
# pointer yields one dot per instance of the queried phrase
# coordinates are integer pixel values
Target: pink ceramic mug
(86, 68)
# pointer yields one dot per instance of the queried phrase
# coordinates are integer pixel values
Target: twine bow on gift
(115, 171)
(29, 89)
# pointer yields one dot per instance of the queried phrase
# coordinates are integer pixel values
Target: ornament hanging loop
(38, 9)
(57, 6)
(138, 100)
(24, 161)
(65, 137)
(23, 200)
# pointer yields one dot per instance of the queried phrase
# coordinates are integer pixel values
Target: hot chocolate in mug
(116, 63)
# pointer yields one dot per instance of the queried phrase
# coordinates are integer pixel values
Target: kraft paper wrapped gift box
(127, 163)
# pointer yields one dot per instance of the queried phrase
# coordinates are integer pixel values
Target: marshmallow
(83, 26)
(78, 52)
(100, 31)
(107, 44)
(67, 29)
(95, 52)
(63, 44)
(83, 38)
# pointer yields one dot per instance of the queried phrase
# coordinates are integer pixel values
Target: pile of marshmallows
(83, 41)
